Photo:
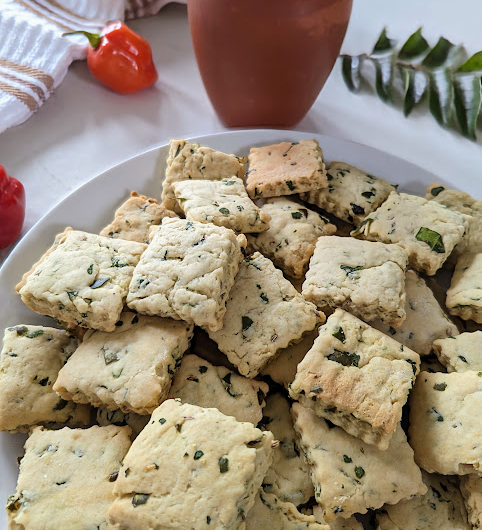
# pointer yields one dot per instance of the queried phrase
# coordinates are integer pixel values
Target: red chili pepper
(120, 59)
(12, 208)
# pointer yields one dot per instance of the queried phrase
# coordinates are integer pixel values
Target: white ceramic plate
(91, 207)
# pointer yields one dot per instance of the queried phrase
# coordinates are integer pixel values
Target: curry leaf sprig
(450, 79)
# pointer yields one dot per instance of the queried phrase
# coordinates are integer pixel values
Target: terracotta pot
(264, 62)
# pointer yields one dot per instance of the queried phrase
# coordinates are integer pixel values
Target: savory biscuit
(461, 202)
(356, 377)
(271, 513)
(292, 235)
(464, 297)
(425, 322)
(259, 307)
(187, 161)
(67, 478)
(427, 230)
(461, 353)
(221, 202)
(445, 428)
(285, 168)
(364, 277)
(134, 217)
(282, 369)
(187, 272)
(191, 468)
(471, 489)
(83, 281)
(351, 193)
(441, 507)
(29, 364)
(129, 369)
(350, 476)
(288, 477)
(200, 383)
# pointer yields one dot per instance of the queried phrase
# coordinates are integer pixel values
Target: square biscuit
(66, 478)
(441, 507)
(200, 383)
(425, 322)
(471, 489)
(83, 281)
(129, 369)
(356, 377)
(445, 430)
(288, 477)
(270, 512)
(427, 230)
(134, 217)
(364, 277)
(188, 161)
(350, 476)
(464, 297)
(29, 365)
(285, 168)
(461, 353)
(136, 422)
(282, 369)
(463, 203)
(193, 465)
(292, 235)
(187, 272)
(260, 304)
(351, 193)
(221, 202)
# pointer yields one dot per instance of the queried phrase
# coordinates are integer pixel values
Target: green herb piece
(264, 298)
(344, 358)
(440, 386)
(392, 330)
(208, 519)
(119, 323)
(433, 239)
(436, 191)
(369, 194)
(21, 330)
(113, 476)
(316, 390)
(337, 509)
(246, 323)
(251, 443)
(162, 421)
(178, 150)
(203, 369)
(189, 226)
(116, 263)
(463, 359)
(90, 269)
(350, 70)
(72, 294)
(296, 215)
(347, 459)
(339, 334)
(224, 211)
(359, 472)
(290, 185)
(357, 210)
(110, 357)
(439, 416)
(43, 382)
(135, 320)
(415, 46)
(223, 465)
(467, 101)
(414, 365)
(99, 283)
(198, 455)
(61, 404)
(34, 334)
(351, 270)
(13, 503)
(229, 182)
(139, 498)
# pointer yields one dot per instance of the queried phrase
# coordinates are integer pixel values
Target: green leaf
(384, 44)
(440, 95)
(439, 54)
(415, 83)
(351, 71)
(344, 358)
(384, 77)
(415, 46)
(432, 238)
(474, 64)
(467, 100)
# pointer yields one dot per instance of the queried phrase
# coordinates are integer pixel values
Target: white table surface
(84, 128)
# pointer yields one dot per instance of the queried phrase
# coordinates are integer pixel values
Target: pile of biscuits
(267, 348)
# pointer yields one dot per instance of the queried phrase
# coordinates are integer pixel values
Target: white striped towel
(34, 57)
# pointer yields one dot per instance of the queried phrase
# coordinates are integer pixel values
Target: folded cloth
(34, 57)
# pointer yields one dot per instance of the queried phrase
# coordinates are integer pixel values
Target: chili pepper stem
(94, 38)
